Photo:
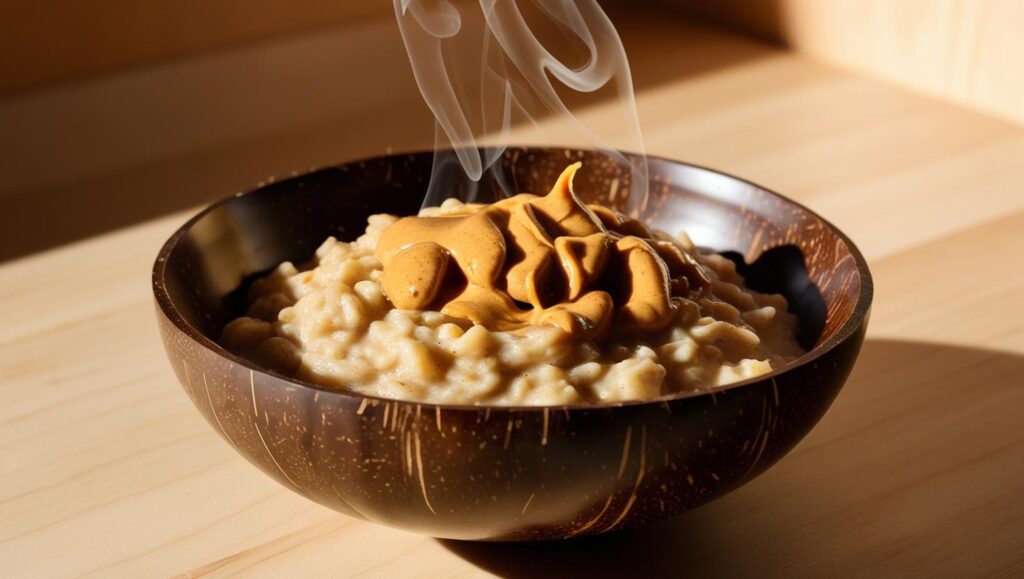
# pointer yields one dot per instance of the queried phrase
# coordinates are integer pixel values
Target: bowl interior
(779, 245)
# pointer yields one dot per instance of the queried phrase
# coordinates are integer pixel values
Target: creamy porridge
(534, 300)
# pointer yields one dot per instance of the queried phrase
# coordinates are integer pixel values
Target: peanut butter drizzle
(538, 260)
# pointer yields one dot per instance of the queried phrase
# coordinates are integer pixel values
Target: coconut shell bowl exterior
(500, 473)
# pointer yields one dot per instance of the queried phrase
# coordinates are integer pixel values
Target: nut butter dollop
(538, 260)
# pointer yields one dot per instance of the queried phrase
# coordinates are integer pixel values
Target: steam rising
(476, 90)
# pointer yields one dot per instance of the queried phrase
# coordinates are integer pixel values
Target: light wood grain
(918, 469)
(968, 51)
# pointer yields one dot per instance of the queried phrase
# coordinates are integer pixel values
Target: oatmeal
(533, 300)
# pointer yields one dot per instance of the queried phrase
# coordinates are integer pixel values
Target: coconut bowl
(509, 473)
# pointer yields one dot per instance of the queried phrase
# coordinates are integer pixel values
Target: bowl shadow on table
(763, 527)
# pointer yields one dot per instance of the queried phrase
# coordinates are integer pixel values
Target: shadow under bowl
(508, 473)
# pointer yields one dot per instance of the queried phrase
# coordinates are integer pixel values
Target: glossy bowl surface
(508, 473)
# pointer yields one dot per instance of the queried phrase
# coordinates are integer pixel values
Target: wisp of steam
(479, 79)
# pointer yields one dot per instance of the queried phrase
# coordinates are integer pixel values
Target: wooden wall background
(967, 51)
(47, 42)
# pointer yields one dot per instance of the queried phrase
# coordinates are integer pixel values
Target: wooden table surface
(918, 468)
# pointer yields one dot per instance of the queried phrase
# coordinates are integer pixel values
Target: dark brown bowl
(503, 473)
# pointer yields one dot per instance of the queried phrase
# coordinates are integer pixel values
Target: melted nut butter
(538, 260)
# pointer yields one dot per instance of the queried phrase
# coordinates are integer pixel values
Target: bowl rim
(858, 316)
